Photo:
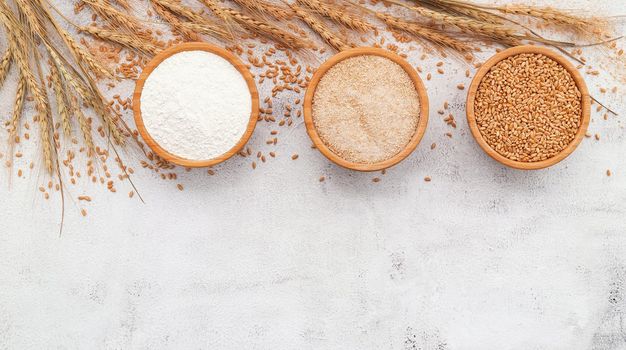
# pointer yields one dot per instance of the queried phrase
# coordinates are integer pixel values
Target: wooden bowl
(308, 110)
(582, 87)
(195, 46)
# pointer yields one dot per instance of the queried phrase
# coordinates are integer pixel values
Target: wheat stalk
(549, 15)
(338, 15)
(129, 41)
(18, 107)
(80, 54)
(424, 32)
(5, 65)
(175, 23)
(71, 77)
(467, 25)
(206, 29)
(180, 10)
(35, 24)
(123, 3)
(259, 27)
(320, 28)
(57, 85)
(196, 21)
(463, 8)
(264, 8)
(85, 129)
(118, 19)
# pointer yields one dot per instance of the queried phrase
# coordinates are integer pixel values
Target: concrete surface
(482, 257)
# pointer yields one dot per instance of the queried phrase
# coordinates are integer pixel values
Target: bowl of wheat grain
(528, 107)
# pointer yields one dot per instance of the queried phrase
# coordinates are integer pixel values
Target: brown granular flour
(366, 109)
(528, 108)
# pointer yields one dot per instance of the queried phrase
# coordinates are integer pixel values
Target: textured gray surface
(482, 257)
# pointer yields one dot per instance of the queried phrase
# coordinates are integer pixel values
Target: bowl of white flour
(195, 104)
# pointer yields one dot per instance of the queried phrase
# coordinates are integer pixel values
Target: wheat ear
(424, 32)
(123, 3)
(71, 77)
(84, 126)
(19, 45)
(463, 8)
(174, 22)
(338, 15)
(118, 19)
(548, 14)
(79, 53)
(35, 24)
(129, 41)
(264, 8)
(59, 95)
(320, 28)
(5, 65)
(18, 107)
(467, 25)
(196, 21)
(260, 27)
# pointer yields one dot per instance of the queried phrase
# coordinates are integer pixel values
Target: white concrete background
(483, 257)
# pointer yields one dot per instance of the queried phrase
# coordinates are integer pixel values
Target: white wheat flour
(196, 105)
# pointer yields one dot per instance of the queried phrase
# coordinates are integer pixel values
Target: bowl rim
(578, 80)
(195, 46)
(365, 51)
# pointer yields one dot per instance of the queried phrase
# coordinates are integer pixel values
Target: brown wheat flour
(366, 109)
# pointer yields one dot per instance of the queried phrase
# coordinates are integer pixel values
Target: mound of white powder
(196, 105)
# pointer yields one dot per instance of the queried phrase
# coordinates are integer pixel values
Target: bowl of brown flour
(366, 109)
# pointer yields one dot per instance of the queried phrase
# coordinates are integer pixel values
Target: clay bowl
(582, 87)
(195, 47)
(308, 110)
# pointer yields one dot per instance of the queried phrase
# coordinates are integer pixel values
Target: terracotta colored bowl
(308, 110)
(195, 47)
(582, 87)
